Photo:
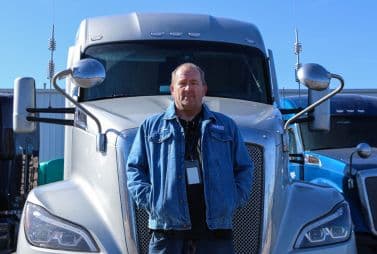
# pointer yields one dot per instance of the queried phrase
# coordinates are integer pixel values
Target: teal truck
(118, 74)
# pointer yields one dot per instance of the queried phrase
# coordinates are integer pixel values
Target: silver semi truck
(118, 74)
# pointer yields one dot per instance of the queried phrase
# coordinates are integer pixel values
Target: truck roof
(167, 26)
(340, 104)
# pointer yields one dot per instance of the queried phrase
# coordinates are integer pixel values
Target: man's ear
(171, 88)
(205, 89)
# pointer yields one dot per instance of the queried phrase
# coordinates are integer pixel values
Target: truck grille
(371, 186)
(367, 185)
(247, 221)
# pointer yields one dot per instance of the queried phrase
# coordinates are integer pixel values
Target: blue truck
(343, 156)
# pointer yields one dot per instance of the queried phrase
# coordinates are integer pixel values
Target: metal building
(51, 135)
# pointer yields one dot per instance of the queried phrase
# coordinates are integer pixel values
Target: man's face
(188, 89)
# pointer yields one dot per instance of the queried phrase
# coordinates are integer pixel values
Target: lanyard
(191, 137)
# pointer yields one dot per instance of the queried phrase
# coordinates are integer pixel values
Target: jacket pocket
(220, 136)
(220, 147)
(160, 137)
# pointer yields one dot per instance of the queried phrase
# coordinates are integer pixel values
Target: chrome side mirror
(363, 150)
(314, 76)
(317, 79)
(87, 73)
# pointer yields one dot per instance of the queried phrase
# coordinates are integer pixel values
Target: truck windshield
(144, 69)
(346, 131)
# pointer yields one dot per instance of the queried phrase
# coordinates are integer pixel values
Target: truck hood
(343, 155)
(125, 113)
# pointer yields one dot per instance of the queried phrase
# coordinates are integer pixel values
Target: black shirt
(195, 192)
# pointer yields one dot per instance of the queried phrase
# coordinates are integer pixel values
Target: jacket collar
(171, 114)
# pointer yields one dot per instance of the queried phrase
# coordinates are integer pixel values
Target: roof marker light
(157, 34)
(96, 37)
(250, 41)
(194, 35)
(176, 34)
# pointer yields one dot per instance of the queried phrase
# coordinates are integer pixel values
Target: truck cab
(333, 157)
(118, 74)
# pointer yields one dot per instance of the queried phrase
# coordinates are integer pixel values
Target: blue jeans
(163, 244)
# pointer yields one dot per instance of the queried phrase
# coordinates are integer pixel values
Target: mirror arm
(349, 174)
(101, 138)
(315, 104)
(50, 120)
(51, 110)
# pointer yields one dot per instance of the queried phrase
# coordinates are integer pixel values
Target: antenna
(52, 48)
(51, 63)
(297, 51)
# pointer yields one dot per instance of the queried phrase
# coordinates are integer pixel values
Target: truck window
(144, 69)
(346, 131)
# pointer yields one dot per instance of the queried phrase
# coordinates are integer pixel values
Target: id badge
(192, 172)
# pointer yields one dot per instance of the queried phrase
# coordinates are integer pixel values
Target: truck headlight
(45, 230)
(333, 228)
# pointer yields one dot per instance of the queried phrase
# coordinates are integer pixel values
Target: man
(189, 168)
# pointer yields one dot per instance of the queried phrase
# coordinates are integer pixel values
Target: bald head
(188, 66)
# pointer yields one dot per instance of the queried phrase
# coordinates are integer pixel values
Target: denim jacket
(156, 177)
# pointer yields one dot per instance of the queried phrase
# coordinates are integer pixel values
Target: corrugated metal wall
(51, 135)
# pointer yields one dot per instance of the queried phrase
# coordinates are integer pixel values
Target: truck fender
(326, 182)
